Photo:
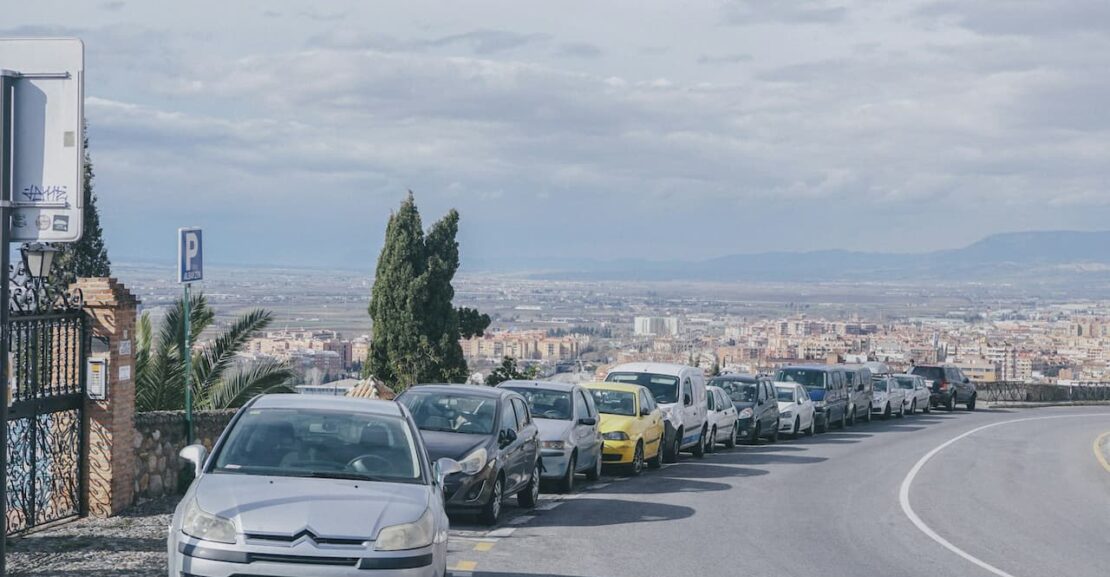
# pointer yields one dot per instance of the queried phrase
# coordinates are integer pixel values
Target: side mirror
(444, 468)
(588, 421)
(506, 437)
(801, 401)
(687, 399)
(195, 454)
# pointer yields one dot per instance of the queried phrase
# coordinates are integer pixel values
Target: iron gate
(46, 436)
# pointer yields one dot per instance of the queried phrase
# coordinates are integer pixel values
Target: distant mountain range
(1048, 256)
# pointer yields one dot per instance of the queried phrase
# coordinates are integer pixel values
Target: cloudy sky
(656, 129)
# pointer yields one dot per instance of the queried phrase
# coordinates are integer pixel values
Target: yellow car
(631, 425)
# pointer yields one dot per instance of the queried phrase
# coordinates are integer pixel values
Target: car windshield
(614, 402)
(785, 394)
(320, 443)
(905, 382)
(880, 384)
(811, 379)
(930, 373)
(546, 404)
(451, 412)
(739, 391)
(663, 387)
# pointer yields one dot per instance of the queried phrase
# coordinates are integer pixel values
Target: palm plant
(216, 380)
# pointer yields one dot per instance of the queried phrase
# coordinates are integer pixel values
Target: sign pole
(190, 269)
(187, 352)
(6, 105)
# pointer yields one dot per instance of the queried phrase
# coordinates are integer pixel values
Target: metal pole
(187, 352)
(7, 104)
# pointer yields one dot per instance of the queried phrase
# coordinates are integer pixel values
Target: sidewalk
(130, 545)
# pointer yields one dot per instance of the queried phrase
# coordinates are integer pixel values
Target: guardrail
(1018, 392)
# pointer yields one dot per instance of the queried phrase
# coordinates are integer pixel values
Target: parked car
(570, 436)
(631, 424)
(490, 432)
(723, 423)
(890, 399)
(680, 392)
(860, 393)
(948, 386)
(917, 394)
(796, 411)
(756, 405)
(350, 474)
(826, 386)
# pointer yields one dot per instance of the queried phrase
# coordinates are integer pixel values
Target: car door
(690, 410)
(651, 419)
(585, 435)
(730, 412)
(528, 435)
(711, 409)
(511, 451)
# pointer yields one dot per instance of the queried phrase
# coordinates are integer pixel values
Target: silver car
(323, 486)
(570, 437)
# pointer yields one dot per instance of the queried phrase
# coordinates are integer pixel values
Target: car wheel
(711, 445)
(754, 440)
(730, 442)
(638, 459)
(491, 513)
(843, 421)
(566, 484)
(531, 493)
(812, 426)
(886, 412)
(824, 428)
(670, 455)
(928, 408)
(852, 416)
(775, 433)
(971, 403)
(868, 417)
(901, 409)
(656, 462)
(797, 427)
(595, 472)
(951, 404)
(699, 449)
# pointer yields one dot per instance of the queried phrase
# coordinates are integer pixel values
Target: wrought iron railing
(1021, 392)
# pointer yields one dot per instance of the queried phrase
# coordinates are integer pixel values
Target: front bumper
(746, 427)
(555, 463)
(786, 424)
(618, 452)
(469, 492)
(189, 557)
(878, 406)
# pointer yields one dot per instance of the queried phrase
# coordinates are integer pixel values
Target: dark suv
(947, 386)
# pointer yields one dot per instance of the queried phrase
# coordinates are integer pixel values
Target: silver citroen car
(324, 486)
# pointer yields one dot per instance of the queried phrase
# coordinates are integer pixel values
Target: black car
(756, 403)
(490, 432)
(947, 386)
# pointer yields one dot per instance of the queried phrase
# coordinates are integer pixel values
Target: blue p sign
(190, 255)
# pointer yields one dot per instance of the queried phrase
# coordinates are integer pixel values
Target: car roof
(658, 368)
(326, 402)
(814, 367)
(545, 385)
(478, 390)
(742, 377)
(625, 387)
(786, 384)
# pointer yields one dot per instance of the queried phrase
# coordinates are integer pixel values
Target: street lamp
(37, 259)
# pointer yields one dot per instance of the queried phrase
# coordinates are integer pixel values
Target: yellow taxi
(631, 425)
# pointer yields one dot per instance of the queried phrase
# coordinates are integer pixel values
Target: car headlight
(203, 525)
(557, 445)
(786, 414)
(615, 436)
(474, 462)
(746, 413)
(407, 536)
(819, 403)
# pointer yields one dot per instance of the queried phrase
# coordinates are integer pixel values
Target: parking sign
(190, 255)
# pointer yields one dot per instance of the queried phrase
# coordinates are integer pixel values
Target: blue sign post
(190, 268)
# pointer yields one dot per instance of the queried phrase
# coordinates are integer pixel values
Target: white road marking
(904, 492)
(502, 532)
(548, 506)
(598, 486)
(521, 519)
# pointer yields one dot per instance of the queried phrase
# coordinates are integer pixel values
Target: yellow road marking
(484, 546)
(465, 566)
(1099, 454)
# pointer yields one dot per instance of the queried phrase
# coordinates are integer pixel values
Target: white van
(679, 391)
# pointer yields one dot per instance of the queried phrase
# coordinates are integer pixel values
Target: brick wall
(159, 436)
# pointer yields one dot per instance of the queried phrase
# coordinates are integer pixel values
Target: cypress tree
(87, 257)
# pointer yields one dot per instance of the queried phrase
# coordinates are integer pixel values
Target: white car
(890, 399)
(917, 393)
(722, 418)
(679, 390)
(796, 409)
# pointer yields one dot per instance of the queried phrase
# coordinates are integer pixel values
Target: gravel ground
(130, 545)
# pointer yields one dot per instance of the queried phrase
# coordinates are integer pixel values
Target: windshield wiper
(344, 475)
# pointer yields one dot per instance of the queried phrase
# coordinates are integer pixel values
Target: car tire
(928, 408)
(812, 426)
(950, 405)
(824, 428)
(852, 417)
(797, 427)
(869, 417)
(595, 472)
(530, 496)
(971, 403)
(656, 462)
(902, 409)
(566, 484)
(670, 454)
(699, 449)
(843, 421)
(913, 407)
(886, 412)
(637, 465)
(731, 441)
(491, 512)
(775, 433)
(754, 440)
(711, 447)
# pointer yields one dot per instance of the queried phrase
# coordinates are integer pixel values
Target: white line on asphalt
(521, 519)
(904, 492)
(549, 505)
(598, 486)
(502, 532)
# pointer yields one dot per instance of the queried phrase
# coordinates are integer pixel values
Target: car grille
(315, 539)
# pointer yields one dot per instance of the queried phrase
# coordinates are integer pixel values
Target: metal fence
(1019, 392)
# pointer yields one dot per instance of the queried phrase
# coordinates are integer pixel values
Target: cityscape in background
(573, 330)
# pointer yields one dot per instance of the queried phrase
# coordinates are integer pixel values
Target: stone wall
(159, 435)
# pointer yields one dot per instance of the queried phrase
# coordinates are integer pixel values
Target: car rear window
(930, 373)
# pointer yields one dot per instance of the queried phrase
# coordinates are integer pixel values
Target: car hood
(553, 429)
(452, 445)
(740, 406)
(332, 508)
(610, 423)
(787, 406)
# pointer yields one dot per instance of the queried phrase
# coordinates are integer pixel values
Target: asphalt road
(1025, 498)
